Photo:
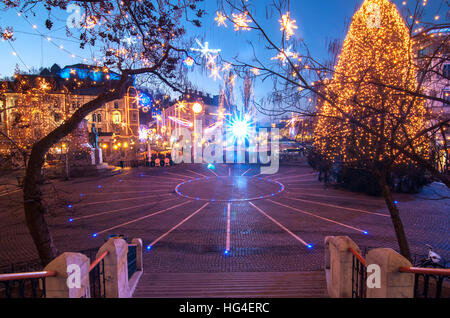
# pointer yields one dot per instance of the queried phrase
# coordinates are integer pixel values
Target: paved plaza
(231, 219)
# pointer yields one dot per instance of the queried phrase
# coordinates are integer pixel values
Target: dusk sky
(318, 22)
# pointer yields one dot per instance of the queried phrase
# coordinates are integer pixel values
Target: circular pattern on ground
(231, 189)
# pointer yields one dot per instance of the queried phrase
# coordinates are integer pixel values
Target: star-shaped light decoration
(288, 25)
(129, 40)
(204, 49)
(241, 21)
(285, 54)
(215, 72)
(220, 19)
(226, 67)
(211, 60)
(255, 71)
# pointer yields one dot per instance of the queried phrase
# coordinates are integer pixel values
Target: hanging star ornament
(215, 72)
(204, 49)
(284, 54)
(241, 21)
(288, 26)
(220, 19)
(129, 40)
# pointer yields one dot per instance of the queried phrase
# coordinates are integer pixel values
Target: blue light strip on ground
(178, 191)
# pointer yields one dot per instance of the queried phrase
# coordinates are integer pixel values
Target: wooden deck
(228, 285)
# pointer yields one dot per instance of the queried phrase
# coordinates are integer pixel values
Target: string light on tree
(388, 52)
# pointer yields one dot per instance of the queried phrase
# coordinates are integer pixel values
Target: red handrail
(98, 260)
(425, 271)
(17, 276)
(358, 256)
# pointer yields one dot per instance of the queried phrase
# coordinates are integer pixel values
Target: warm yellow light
(197, 108)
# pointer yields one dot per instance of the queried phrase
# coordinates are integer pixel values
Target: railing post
(64, 284)
(393, 283)
(340, 259)
(116, 268)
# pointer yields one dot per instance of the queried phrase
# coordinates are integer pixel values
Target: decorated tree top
(365, 106)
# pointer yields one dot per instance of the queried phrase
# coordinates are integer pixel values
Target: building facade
(31, 106)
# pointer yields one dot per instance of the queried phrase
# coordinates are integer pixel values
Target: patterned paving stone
(186, 238)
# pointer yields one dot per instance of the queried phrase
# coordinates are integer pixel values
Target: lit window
(117, 117)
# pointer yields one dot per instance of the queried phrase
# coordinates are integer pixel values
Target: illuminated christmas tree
(365, 110)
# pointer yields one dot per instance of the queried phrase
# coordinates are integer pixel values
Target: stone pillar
(139, 260)
(116, 268)
(393, 283)
(71, 269)
(98, 156)
(327, 259)
(340, 281)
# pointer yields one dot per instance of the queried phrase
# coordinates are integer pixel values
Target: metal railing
(97, 277)
(359, 275)
(24, 285)
(429, 282)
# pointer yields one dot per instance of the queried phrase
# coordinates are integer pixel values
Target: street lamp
(197, 108)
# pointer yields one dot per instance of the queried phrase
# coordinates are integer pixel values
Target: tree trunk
(395, 216)
(35, 210)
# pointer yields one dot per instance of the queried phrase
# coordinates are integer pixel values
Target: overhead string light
(14, 52)
(58, 45)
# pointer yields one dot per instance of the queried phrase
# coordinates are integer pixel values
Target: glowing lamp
(197, 108)
(240, 128)
(188, 62)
